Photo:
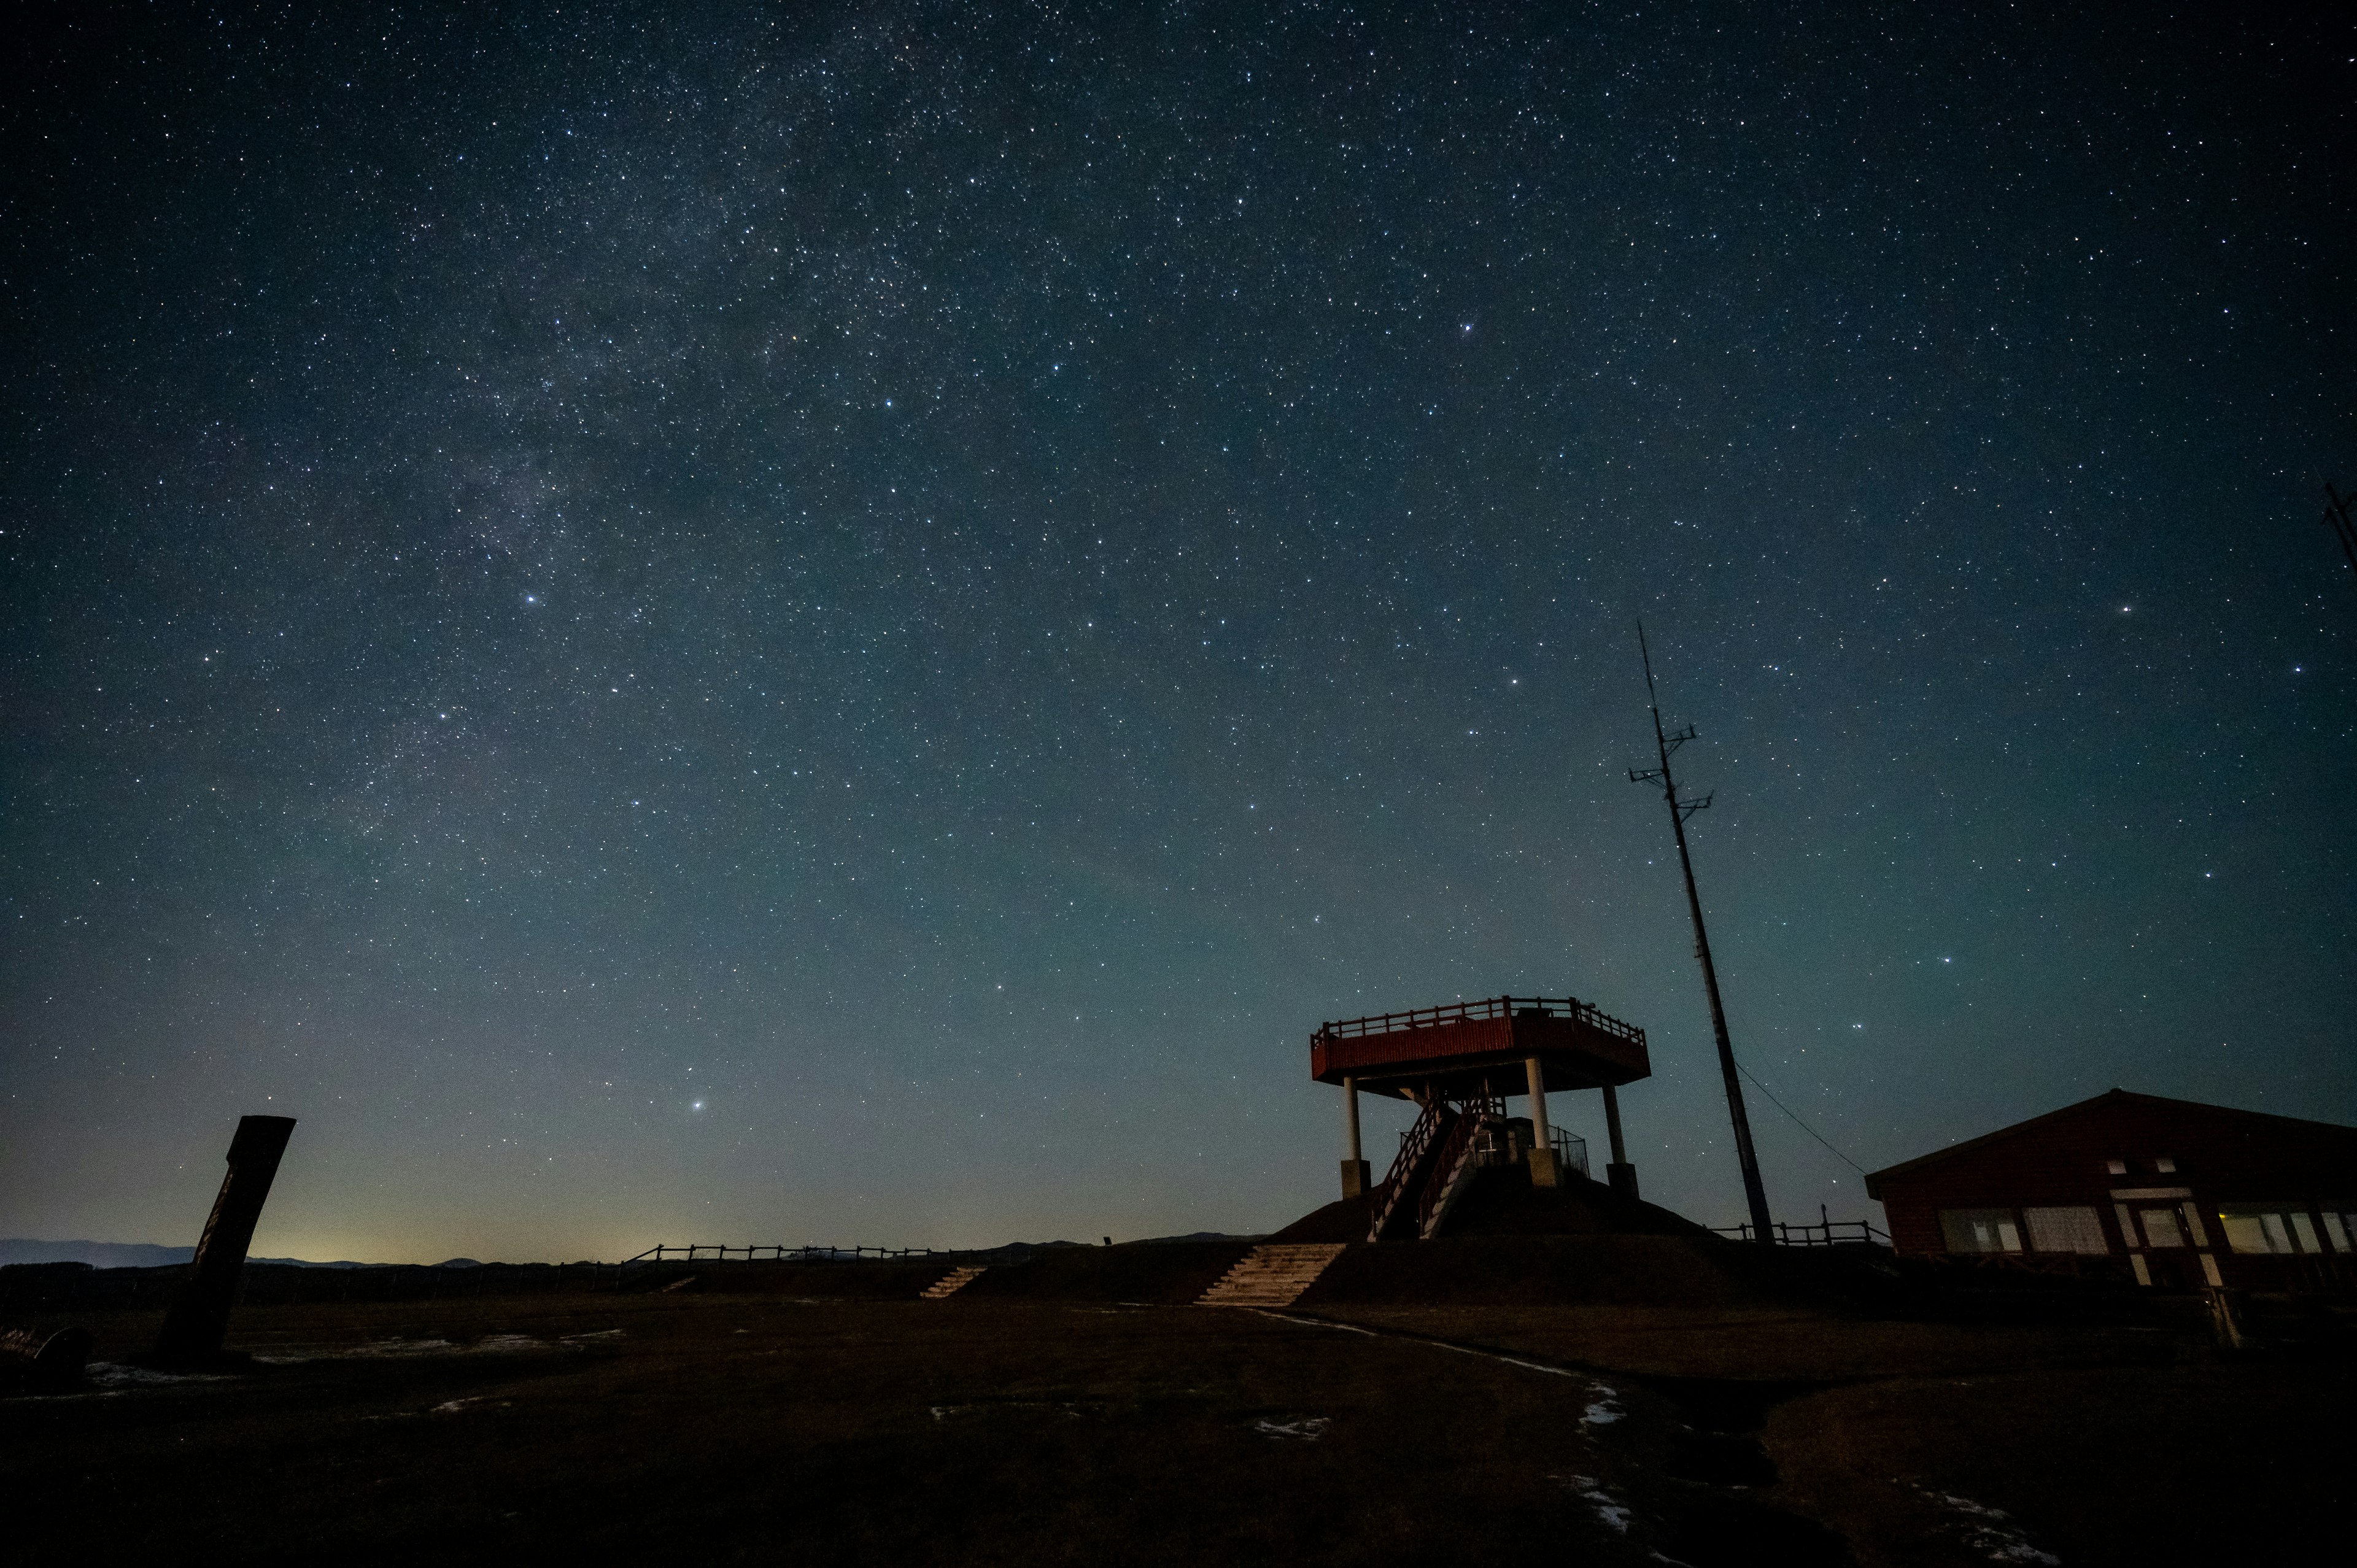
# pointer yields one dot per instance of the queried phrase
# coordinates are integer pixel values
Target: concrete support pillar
(1543, 1167)
(1354, 1168)
(1619, 1174)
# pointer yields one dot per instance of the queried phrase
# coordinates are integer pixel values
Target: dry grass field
(746, 1427)
(1042, 1421)
(2133, 1445)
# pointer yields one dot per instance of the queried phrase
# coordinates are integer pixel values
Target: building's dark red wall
(2225, 1156)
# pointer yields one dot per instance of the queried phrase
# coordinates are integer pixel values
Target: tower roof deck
(1468, 1047)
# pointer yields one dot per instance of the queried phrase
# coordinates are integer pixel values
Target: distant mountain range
(130, 1255)
(148, 1255)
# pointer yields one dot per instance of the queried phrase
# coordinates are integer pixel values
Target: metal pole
(1755, 1195)
(198, 1318)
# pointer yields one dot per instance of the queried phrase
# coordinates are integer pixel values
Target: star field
(845, 625)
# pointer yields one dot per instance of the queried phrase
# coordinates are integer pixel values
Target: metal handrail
(1412, 1147)
(1478, 1012)
(1824, 1234)
(1473, 1117)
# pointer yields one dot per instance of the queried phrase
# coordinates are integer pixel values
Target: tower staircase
(1435, 1163)
(956, 1280)
(1408, 1166)
(1464, 1149)
(1272, 1275)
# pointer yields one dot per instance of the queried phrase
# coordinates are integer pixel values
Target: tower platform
(1465, 1050)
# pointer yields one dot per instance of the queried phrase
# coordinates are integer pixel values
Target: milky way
(674, 624)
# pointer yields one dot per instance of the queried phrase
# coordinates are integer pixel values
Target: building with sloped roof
(2171, 1193)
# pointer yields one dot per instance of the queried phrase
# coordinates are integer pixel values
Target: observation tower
(1459, 1062)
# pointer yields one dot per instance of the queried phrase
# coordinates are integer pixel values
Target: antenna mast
(1754, 1194)
(2344, 527)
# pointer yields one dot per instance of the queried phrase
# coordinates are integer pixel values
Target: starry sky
(844, 623)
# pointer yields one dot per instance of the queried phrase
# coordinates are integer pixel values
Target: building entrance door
(2169, 1247)
(2166, 1253)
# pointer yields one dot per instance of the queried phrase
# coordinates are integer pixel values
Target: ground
(1005, 1428)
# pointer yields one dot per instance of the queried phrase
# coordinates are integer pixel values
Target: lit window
(2337, 1230)
(2165, 1166)
(2118, 1168)
(2248, 1232)
(2269, 1230)
(2160, 1228)
(1979, 1230)
(2065, 1230)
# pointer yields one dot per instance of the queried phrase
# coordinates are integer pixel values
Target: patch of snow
(113, 1375)
(489, 1344)
(1991, 1531)
(1603, 1411)
(1608, 1508)
(1308, 1430)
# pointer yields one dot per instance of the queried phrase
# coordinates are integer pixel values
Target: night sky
(845, 624)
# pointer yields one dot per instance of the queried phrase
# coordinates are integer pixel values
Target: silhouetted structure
(2343, 526)
(1459, 1062)
(2168, 1192)
(199, 1319)
(1755, 1195)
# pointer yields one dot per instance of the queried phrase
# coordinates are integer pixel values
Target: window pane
(2065, 1230)
(2244, 1234)
(2278, 1239)
(2337, 1231)
(2305, 1231)
(1979, 1230)
(2160, 1228)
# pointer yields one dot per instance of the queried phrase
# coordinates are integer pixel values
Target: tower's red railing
(1474, 1011)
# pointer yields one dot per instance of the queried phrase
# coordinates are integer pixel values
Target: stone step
(1272, 1275)
(956, 1280)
